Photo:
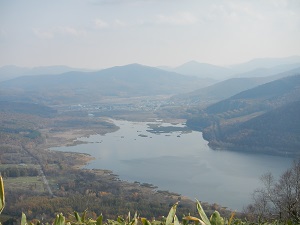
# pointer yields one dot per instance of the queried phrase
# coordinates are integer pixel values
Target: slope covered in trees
(26, 108)
(120, 81)
(264, 119)
(226, 89)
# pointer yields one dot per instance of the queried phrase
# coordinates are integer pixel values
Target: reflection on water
(179, 161)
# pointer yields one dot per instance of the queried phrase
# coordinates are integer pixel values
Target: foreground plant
(2, 196)
(215, 218)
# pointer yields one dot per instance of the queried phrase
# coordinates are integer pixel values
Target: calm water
(179, 162)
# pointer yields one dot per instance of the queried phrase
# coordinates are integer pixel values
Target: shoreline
(68, 138)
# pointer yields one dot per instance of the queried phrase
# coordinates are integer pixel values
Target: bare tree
(279, 199)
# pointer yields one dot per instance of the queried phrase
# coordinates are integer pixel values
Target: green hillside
(263, 119)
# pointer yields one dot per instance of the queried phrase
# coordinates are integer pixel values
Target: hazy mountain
(228, 88)
(255, 68)
(120, 81)
(264, 72)
(10, 72)
(26, 108)
(167, 68)
(203, 70)
(264, 63)
(261, 98)
(227, 123)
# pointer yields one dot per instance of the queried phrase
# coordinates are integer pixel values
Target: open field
(24, 183)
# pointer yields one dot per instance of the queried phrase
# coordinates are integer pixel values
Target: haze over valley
(118, 106)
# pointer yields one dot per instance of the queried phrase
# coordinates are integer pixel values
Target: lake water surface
(179, 162)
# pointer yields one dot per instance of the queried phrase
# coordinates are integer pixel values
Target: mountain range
(10, 72)
(255, 68)
(266, 63)
(225, 89)
(203, 70)
(247, 120)
(120, 81)
(256, 103)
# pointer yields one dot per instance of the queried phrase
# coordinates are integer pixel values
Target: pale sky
(104, 33)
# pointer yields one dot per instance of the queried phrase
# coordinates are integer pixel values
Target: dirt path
(41, 172)
(46, 183)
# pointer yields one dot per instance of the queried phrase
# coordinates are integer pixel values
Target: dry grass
(25, 183)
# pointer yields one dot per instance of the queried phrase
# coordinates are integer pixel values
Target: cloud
(116, 23)
(70, 31)
(183, 18)
(100, 24)
(43, 34)
(119, 23)
(246, 10)
(58, 31)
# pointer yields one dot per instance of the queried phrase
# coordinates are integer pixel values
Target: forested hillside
(263, 119)
(77, 87)
(26, 108)
(227, 88)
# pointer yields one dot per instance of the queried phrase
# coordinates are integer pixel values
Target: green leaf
(184, 221)
(120, 219)
(78, 218)
(59, 220)
(216, 219)
(192, 218)
(23, 219)
(99, 220)
(90, 222)
(134, 220)
(231, 218)
(176, 221)
(113, 222)
(202, 213)
(2, 196)
(128, 217)
(145, 221)
(83, 216)
(171, 214)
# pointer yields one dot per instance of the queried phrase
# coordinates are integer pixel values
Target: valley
(82, 137)
(24, 160)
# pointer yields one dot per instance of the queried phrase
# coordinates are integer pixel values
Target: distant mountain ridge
(255, 68)
(203, 70)
(228, 88)
(265, 72)
(120, 81)
(10, 72)
(264, 63)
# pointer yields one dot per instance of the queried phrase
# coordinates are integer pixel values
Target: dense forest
(263, 119)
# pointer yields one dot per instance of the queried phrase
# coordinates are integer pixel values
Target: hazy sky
(104, 33)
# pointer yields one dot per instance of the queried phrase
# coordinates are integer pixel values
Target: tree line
(19, 172)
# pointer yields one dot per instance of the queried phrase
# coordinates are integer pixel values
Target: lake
(179, 161)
